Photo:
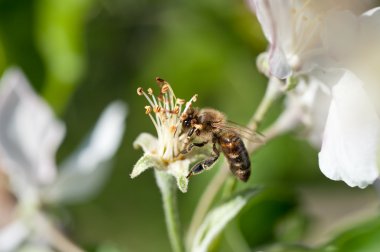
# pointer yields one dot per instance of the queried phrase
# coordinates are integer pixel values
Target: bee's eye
(186, 123)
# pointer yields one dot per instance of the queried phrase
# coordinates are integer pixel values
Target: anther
(157, 109)
(165, 88)
(140, 91)
(160, 81)
(180, 101)
(176, 110)
(148, 109)
(150, 91)
(194, 98)
(173, 128)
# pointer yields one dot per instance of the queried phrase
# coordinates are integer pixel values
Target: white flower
(29, 138)
(292, 28)
(163, 152)
(333, 56)
(351, 138)
(307, 105)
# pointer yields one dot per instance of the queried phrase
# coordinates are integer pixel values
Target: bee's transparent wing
(242, 131)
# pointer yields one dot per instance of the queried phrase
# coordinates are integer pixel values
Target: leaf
(84, 172)
(145, 162)
(364, 237)
(218, 218)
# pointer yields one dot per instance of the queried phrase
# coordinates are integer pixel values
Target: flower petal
(147, 142)
(84, 172)
(346, 24)
(278, 63)
(12, 235)
(351, 138)
(274, 17)
(29, 132)
(145, 162)
(180, 170)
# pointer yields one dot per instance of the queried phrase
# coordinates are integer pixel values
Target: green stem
(274, 90)
(168, 190)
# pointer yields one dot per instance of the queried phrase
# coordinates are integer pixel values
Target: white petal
(147, 142)
(145, 162)
(12, 235)
(180, 169)
(372, 12)
(278, 63)
(346, 25)
(274, 17)
(351, 138)
(29, 132)
(83, 173)
(317, 103)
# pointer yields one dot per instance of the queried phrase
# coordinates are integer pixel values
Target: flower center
(167, 109)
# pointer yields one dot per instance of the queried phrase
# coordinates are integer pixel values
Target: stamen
(150, 91)
(180, 101)
(173, 128)
(155, 125)
(167, 109)
(160, 81)
(140, 91)
(148, 109)
(157, 109)
(188, 104)
(175, 110)
(165, 88)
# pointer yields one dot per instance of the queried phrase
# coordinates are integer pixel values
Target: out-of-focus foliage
(83, 54)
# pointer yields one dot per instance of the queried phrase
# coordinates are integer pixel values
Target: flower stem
(273, 91)
(56, 238)
(168, 190)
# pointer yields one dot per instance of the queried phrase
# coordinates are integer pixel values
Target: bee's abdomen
(236, 154)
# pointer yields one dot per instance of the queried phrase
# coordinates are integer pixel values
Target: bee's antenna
(189, 175)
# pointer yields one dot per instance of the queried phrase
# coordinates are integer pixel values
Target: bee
(211, 126)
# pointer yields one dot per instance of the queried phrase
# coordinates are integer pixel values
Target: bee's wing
(242, 131)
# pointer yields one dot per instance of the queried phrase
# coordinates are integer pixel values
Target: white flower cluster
(29, 178)
(329, 52)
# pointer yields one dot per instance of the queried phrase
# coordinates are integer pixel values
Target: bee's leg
(189, 147)
(190, 133)
(205, 164)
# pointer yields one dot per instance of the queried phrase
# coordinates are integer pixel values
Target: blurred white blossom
(293, 30)
(350, 146)
(29, 137)
(163, 152)
(328, 58)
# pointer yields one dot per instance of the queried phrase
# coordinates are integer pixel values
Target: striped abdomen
(236, 154)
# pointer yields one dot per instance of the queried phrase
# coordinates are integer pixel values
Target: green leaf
(218, 218)
(364, 237)
(145, 162)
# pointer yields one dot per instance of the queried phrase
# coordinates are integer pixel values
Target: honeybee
(211, 126)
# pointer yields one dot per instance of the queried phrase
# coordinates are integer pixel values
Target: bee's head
(188, 118)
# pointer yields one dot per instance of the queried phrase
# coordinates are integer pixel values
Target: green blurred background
(82, 54)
